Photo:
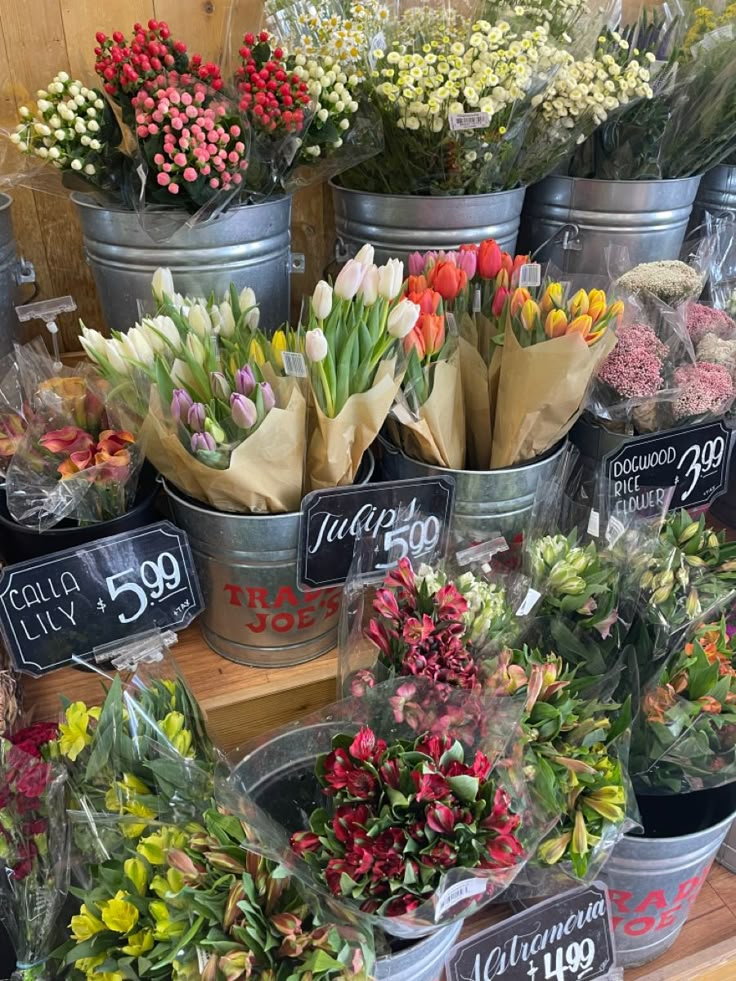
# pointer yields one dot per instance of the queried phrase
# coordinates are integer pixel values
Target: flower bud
(196, 416)
(579, 304)
(243, 411)
(227, 320)
(196, 349)
(279, 344)
(402, 319)
(215, 430)
(322, 300)
(368, 291)
(581, 325)
(245, 381)
(199, 321)
(162, 284)
(247, 299)
(349, 279)
(201, 442)
(529, 314)
(269, 399)
(315, 345)
(137, 872)
(366, 255)
(390, 279)
(181, 403)
(555, 324)
(220, 386)
(552, 298)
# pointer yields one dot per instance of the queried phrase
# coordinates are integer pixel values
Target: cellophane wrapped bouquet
(34, 847)
(168, 886)
(67, 452)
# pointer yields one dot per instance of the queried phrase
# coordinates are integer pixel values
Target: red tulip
(428, 301)
(447, 279)
(490, 259)
(499, 301)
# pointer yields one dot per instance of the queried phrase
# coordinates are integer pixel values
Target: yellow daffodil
(74, 736)
(84, 925)
(118, 914)
(138, 943)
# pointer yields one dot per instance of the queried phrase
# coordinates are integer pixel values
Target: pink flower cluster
(196, 138)
(634, 368)
(702, 320)
(391, 857)
(703, 388)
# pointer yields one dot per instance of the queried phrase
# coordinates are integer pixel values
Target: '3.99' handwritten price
(699, 460)
(151, 582)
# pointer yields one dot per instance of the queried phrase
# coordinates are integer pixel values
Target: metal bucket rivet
(247, 246)
(399, 224)
(647, 218)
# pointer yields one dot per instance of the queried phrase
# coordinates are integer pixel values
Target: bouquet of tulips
(34, 846)
(685, 737)
(354, 358)
(218, 418)
(68, 453)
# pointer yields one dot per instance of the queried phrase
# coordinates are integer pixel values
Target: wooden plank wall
(39, 39)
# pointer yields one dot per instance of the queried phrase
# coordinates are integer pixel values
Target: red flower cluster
(420, 634)
(126, 67)
(271, 95)
(26, 778)
(405, 814)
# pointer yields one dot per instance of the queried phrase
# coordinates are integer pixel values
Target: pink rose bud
(243, 411)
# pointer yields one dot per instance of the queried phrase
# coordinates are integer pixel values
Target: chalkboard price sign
(567, 938)
(67, 604)
(690, 463)
(404, 518)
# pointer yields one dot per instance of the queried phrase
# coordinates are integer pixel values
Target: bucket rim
(194, 505)
(647, 182)
(514, 191)
(538, 461)
(83, 199)
(724, 822)
(5, 201)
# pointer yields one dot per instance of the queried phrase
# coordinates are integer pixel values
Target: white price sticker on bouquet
(468, 120)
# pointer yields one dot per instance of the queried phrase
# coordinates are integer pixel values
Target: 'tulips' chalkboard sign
(690, 464)
(566, 938)
(403, 519)
(65, 605)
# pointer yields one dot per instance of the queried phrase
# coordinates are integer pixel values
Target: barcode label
(476, 302)
(202, 959)
(468, 120)
(528, 603)
(294, 364)
(594, 524)
(468, 889)
(530, 274)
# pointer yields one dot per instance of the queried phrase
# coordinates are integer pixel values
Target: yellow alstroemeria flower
(118, 914)
(155, 847)
(88, 964)
(74, 736)
(179, 737)
(166, 928)
(168, 885)
(84, 925)
(134, 829)
(137, 871)
(138, 943)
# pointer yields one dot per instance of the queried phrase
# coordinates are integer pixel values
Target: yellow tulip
(616, 310)
(118, 914)
(518, 298)
(529, 315)
(138, 943)
(556, 323)
(598, 303)
(579, 304)
(553, 297)
(581, 325)
(255, 352)
(74, 736)
(84, 925)
(278, 346)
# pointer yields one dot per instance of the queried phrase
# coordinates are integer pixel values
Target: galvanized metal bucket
(486, 501)
(727, 855)
(420, 961)
(255, 613)
(653, 884)
(716, 195)
(571, 220)
(247, 246)
(399, 224)
(13, 272)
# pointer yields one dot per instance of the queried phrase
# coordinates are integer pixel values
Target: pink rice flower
(703, 388)
(702, 320)
(634, 368)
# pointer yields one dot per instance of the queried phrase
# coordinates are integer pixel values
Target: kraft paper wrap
(437, 437)
(266, 471)
(336, 446)
(540, 393)
(478, 432)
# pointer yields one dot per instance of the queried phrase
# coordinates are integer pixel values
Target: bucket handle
(570, 241)
(343, 252)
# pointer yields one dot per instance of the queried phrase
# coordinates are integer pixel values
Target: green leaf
(466, 787)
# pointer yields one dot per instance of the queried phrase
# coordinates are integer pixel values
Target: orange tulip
(490, 259)
(615, 311)
(529, 315)
(598, 304)
(518, 299)
(447, 279)
(556, 323)
(579, 304)
(416, 284)
(552, 298)
(581, 325)
(433, 333)
(428, 301)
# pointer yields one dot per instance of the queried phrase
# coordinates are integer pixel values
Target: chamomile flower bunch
(70, 127)
(333, 100)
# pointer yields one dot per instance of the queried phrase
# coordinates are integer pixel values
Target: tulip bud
(279, 344)
(196, 349)
(390, 279)
(181, 403)
(529, 315)
(579, 304)
(196, 417)
(581, 325)
(366, 255)
(269, 399)
(245, 381)
(552, 298)
(597, 304)
(166, 328)
(243, 411)
(202, 442)
(255, 352)
(199, 321)
(616, 310)
(220, 386)
(227, 320)
(518, 298)
(181, 374)
(247, 299)
(467, 260)
(315, 345)
(136, 347)
(349, 279)
(402, 319)
(322, 300)
(368, 291)
(162, 284)
(555, 324)
(216, 432)
(416, 264)
(252, 318)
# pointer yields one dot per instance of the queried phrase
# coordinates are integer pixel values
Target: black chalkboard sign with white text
(688, 466)
(404, 518)
(566, 938)
(65, 605)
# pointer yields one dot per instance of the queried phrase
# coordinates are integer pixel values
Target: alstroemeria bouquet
(34, 847)
(218, 418)
(685, 737)
(355, 363)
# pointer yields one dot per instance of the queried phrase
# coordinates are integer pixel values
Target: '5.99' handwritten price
(151, 582)
(414, 539)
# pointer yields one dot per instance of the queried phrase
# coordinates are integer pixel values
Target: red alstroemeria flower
(441, 819)
(430, 786)
(305, 841)
(418, 631)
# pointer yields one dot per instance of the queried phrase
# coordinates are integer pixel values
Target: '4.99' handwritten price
(570, 964)
(151, 582)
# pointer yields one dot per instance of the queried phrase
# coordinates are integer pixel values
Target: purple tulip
(196, 417)
(468, 262)
(430, 260)
(416, 264)
(269, 399)
(181, 403)
(243, 411)
(202, 441)
(244, 381)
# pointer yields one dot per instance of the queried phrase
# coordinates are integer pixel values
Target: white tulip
(402, 318)
(116, 357)
(166, 330)
(199, 321)
(93, 343)
(366, 255)
(227, 320)
(196, 348)
(162, 284)
(369, 287)
(390, 279)
(322, 300)
(136, 346)
(315, 345)
(181, 376)
(253, 318)
(349, 279)
(247, 299)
